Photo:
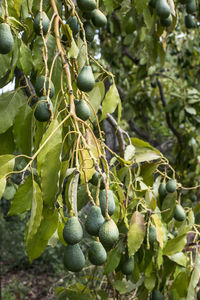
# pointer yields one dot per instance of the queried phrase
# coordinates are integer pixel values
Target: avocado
(82, 110)
(108, 234)
(171, 186)
(6, 39)
(39, 86)
(87, 15)
(157, 295)
(152, 234)
(130, 26)
(89, 31)
(74, 259)
(86, 5)
(111, 202)
(190, 22)
(73, 24)
(166, 22)
(179, 214)
(94, 220)
(162, 9)
(193, 198)
(128, 266)
(97, 254)
(85, 79)
(162, 191)
(191, 6)
(42, 112)
(72, 232)
(95, 178)
(98, 18)
(45, 23)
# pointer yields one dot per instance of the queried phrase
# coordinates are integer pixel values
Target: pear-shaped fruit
(111, 202)
(6, 39)
(190, 22)
(152, 234)
(162, 9)
(74, 259)
(97, 254)
(86, 5)
(44, 23)
(179, 214)
(191, 6)
(42, 112)
(162, 191)
(82, 110)
(130, 26)
(73, 24)
(95, 178)
(98, 18)
(128, 266)
(39, 86)
(72, 232)
(166, 22)
(171, 186)
(157, 295)
(108, 233)
(89, 31)
(85, 80)
(94, 220)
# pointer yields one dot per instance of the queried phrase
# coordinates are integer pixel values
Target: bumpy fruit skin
(85, 80)
(39, 86)
(171, 186)
(190, 22)
(111, 202)
(95, 178)
(191, 7)
(108, 234)
(157, 295)
(162, 190)
(6, 39)
(74, 259)
(179, 214)
(72, 232)
(152, 234)
(73, 24)
(166, 22)
(97, 254)
(45, 23)
(82, 110)
(86, 5)
(98, 18)
(94, 220)
(42, 112)
(162, 9)
(128, 266)
(89, 31)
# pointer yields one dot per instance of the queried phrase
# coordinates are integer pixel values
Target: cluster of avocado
(6, 38)
(170, 187)
(163, 12)
(191, 8)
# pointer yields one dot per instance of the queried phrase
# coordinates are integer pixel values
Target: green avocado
(85, 79)
(191, 6)
(98, 18)
(82, 110)
(89, 31)
(87, 15)
(130, 26)
(97, 254)
(74, 259)
(72, 232)
(73, 24)
(166, 22)
(162, 191)
(157, 295)
(111, 202)
(6, 39)
(190, 22)
(162, 9)
(39, 86)
(42, 112)
(179, 214)
(108, 234)
(95, 178)
(128, 266)
(94, 220)
(193, 198)
(171, 186)
(86, 5)
(152, 234)
(45, 23)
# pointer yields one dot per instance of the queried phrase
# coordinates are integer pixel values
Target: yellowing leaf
(136, 232)
(112, 99)
(159, 229)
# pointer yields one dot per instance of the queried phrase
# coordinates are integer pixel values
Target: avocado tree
(95, 142)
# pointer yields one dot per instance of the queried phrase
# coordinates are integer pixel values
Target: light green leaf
(140, 5)
(96, 96)
(9, 192)
(136, 233)
(7, 163)
(190, 110)
(74, 50)
(180, 285)
(109, 5)
(144, 151)
(150, 282)
(25, 59)
(81, 59)
(179, 258)
(120, 286)
(110, 102)
(113, 260)
(175, 245)
(23, 198)
(148, 18)
(129, 152)
(159, 229)
(150, 200)
(194, 278)
(2, 186)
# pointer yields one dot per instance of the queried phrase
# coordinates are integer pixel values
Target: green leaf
(175, 245)
(10, 103)
(109, 5)
(129, 152)
(113, 260)
(25, 59)
(140, 5)
(136, 233)
(110, 102)
(23, 198)
(2, 186)
(159, 229)
(7, 142)
(7, 163)
(194, 278)
(74, 50)
(23, 123)
(120, 286)
(169, 204)
(190, 110)
(179, 258)
(148, 18)
(180, 285)
(96, 96)
(150, 282)
(144, 151)
(9, 192)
